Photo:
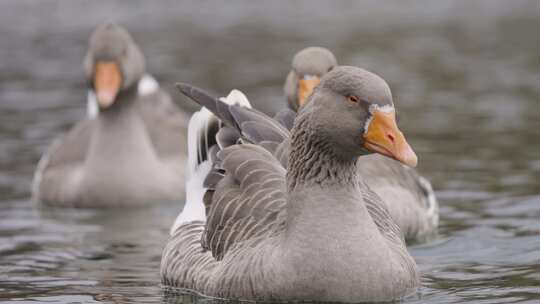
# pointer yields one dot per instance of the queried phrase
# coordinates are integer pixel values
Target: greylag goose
(288, 217)
(409, 196)
(130, 150)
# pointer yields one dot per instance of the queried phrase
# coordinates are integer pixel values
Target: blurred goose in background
(287, 215)
(409, 196)
(130, 150)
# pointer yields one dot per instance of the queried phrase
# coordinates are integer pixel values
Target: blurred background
(465, 76)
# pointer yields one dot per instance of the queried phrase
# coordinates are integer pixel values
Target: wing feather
(246, 188)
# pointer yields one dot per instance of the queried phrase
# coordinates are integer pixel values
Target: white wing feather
(196, 172)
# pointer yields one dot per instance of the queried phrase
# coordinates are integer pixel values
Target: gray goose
(130, 150)
(288, 216)
(409, 196)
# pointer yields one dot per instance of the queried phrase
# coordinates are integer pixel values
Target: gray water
(465, 76)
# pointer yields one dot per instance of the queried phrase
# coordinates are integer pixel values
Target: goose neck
(315, 161)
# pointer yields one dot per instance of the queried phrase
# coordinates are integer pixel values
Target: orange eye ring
(353, 98)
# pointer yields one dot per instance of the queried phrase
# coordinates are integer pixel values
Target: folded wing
(245, 192)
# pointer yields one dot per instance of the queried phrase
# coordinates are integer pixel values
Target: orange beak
(305, 88)
(107, 82)
(384, 137)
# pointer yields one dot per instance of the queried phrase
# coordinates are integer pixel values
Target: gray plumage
(132, 153)
(314, 61)
(286, 118)
(309, 230)
(408, 196)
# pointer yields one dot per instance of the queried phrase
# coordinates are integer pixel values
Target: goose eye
(352, 98)
(329, 69)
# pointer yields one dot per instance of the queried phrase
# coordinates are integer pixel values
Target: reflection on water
(464, 75)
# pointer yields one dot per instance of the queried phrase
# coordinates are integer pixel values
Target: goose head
(308, 66)
(112, 64)
(352, 110)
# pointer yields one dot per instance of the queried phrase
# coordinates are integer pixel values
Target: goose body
(408, 196)
(130, 151)
(287, 215)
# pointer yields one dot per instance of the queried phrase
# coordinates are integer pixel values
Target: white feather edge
(38, 175)
(375, 107)
(92, 109)
(236, 97)
(433, 205)
(147, 85)
(194, 209)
